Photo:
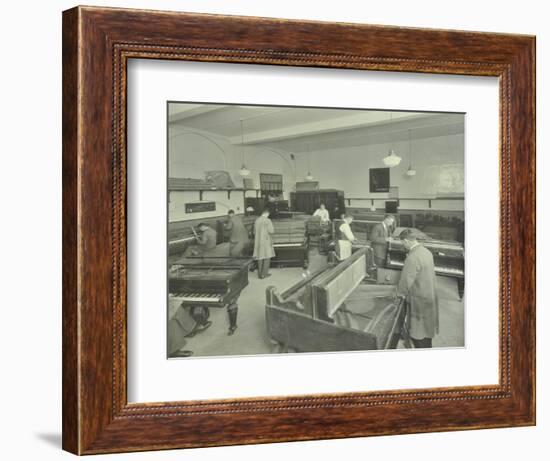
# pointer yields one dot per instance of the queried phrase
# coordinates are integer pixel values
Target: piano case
(333, 310)
(290, 243)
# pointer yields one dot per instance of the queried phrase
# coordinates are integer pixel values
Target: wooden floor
(252, 338)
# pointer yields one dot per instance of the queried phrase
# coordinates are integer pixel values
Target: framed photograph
(379, 179)
(201, 311)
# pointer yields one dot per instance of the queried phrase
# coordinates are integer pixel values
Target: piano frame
(293, 325)
(230, 298)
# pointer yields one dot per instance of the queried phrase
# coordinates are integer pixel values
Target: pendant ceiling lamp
(411, 171)
(244, 171)
(392, 159)
(309, 176)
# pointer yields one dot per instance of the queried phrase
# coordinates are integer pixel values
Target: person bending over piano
(238, 235)
(263, 244)
(207, 239)
(379, 237)
(418, 286)
(322, 213)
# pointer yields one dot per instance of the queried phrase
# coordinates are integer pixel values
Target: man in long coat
(418, 285)
(379, 239)
(263, 244)
(344, 244)
(238, 235)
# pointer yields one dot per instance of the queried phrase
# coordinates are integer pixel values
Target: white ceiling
(299, 125)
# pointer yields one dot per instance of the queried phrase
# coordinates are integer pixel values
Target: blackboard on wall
(200, 207)
(379, 179)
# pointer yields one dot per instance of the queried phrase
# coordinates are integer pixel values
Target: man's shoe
(203, 327)
(199, 329)
(231, 330)
(181, 354)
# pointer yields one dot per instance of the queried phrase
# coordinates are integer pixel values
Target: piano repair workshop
(299, 229)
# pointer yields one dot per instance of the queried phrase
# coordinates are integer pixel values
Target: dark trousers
(236, 248)
(424, 343)
(380, 262)
(263, 267)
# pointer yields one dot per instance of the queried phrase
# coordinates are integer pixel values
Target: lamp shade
(309, 176)
(392, 159)
(411, 171)
(244, 171)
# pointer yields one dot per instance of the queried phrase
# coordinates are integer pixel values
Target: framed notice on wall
(379, 180)
(200, 207)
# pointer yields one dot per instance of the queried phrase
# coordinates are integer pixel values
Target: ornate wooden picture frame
(97, 44)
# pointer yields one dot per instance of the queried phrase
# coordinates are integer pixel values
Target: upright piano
(448, 256)
(334, 309)
(290, 243)
(179, 240)
(209, 282)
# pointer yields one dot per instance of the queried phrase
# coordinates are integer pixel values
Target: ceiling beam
(178, 112)
(357, 120)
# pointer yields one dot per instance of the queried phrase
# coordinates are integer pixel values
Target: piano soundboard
(336, 310)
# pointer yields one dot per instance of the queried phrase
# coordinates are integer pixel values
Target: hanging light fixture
(392, 159)
(411, 171)
(309, 176)
(244, 171)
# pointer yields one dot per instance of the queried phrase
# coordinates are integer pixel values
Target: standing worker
(238, 235)
(263, 244)
(346, 237)
(418, 286)
(322, 213)
(379, 237)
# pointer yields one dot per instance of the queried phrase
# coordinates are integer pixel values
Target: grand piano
(336, 309)
(290, 243)
(204, 282)
(448, 255)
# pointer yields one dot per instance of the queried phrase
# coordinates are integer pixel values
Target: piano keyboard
(449, 270)
(181, 240)
(198, 297)
(438, 269)
(275, 245)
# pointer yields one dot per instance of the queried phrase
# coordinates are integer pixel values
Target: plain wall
(438, 161)
(193, 152)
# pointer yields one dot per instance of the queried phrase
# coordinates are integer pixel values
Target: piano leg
(460, 286)
(232, 310)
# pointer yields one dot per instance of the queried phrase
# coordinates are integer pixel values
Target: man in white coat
(263, 244)
(347, 238)
(322, 213)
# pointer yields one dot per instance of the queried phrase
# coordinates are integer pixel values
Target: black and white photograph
(313, 229)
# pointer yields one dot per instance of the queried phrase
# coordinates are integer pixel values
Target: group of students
(417, 283)
(239, 240)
